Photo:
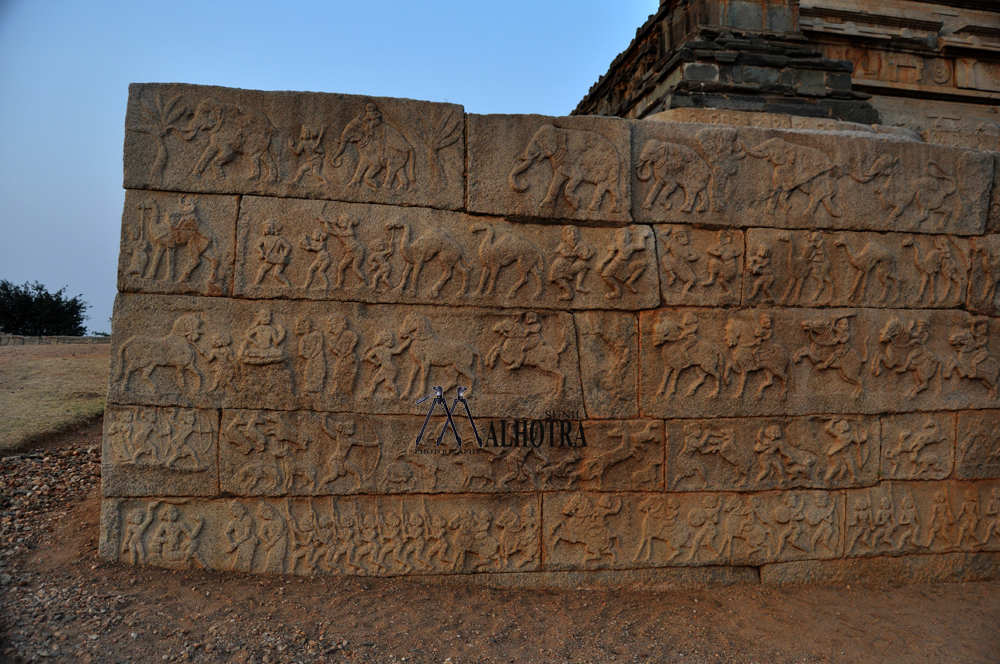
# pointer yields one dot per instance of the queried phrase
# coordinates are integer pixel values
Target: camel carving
(811, 262)
(872, 259)
(178, 232)
(937, 262)
(503, 251)
(177, 350)
(434, 245)
(380, 148)
(427, 350)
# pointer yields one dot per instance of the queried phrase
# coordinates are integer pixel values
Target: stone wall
(695, 351)
(19, 340)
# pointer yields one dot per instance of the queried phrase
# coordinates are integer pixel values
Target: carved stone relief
(977, 454)
(897, 518)
(175, 243)
(340, 251)
(371, 359)
(813, 268)
(365, 535)
(305, 145)
(759, 454)
(160, 452)
(532, 166)
(627, 530)
(609, 356)
(918, 446)
(701, 267)
(800, 361)
(692, 174)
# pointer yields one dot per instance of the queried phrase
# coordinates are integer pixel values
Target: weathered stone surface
(933, 568)
(533, 166)
(207, 139)
(339, 357)
(645, 580)
(373, 253)
(364, 535)
(813, 268)
(922, 517)
(270, 453)
(688, 173)
(978, 452)
(175, 243)
(765, 120)
(774, 453)
(609, 362)
(700, 267)
(918, 446)
(802, 361)
(160, 452)
(630, 530)
(984, 276)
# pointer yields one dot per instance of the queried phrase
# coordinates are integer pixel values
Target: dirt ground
(45, 389)
(60, 603)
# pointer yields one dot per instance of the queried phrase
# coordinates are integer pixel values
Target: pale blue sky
(65, 69)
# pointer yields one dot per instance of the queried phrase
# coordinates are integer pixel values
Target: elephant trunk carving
(523, 165)
(336, 157)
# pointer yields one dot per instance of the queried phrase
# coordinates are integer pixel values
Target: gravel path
(60, 603)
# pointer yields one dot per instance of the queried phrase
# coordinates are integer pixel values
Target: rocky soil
(60, 603)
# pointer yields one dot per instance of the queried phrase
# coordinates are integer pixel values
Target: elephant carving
(671, 166)
(797, 167)
(576, 157)
(233, 129)
(380, 148)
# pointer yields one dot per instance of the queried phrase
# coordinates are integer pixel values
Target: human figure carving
(221, 357)
(753, 350)
(340, 344)
(759, 266)
(658, 523)
(241, 538)
(273, 539)
(380, 147)
(989, 265)
(679, 259)
(682, 350)
(973, 360)
(993, 510)
(798, 268)
(308, 147)
(722, 263)
(572, 262)
(262, 342)
(861, 524)
(575, 157)
(178, 350)
(849, 451)
(913, 443)
(275, 252)
(705, 521)
(798, 168)
(672, 166)
(968, 519)
(136, 523)
(173, 233)
(821, 518)
(872, 259)
(504, 251)
(175, 540)
(427, 350)
(379, 266)
(790, 515)
(618, 268)
(434, 245)
(312, 353)
(233, 129)
(584, 522)
(906, 350)
(941, 520)
(316, 244)
(830, 348)
(909, 524)
(522, 345)
(354, 250)
(934, 263)
(384, 367)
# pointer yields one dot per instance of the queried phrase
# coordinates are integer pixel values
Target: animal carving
(897, 192)
(380, 148)
(973, 360)
(434, 245)
(507, 250)
(754, 350)
(177, 350)
(872, 259)
(683, 350)
(905, 350)
(937, 262)
(233, 129)
(521, 345)
(178, 232)
(798, 168)
(427, 350)
(575, 157)
(671, 166)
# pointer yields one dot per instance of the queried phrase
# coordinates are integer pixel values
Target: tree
(32, 310)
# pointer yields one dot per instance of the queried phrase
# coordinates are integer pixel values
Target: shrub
(31, 310)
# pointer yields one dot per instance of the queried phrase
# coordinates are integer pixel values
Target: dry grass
(46, 389)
